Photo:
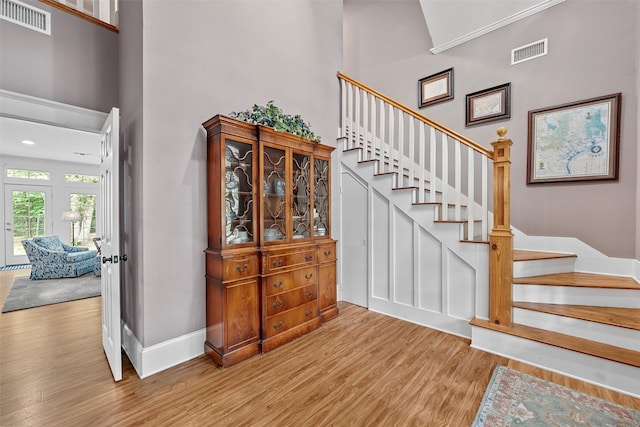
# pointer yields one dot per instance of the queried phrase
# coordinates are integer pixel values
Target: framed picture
(436, 88)
(489, 105)
(578, 141)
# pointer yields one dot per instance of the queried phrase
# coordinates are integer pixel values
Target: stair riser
(607, 334)
(602, 372)
(543, 266)
(600, 297)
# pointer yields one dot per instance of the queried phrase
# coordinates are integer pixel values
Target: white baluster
(412, 156)
(391, 138)
(421, 162)
(383, 139)
(358, 119)
(343, 108)
(471, 194)
(445, 178)
(400, 175)
(350, 115)
(485, 204)
(365, 126)
(374, 129)
(457, 180)
(432, 166)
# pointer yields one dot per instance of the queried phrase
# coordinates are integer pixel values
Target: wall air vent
(529, 51)
(26, 15)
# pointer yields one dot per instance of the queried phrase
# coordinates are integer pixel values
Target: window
(91, 179)
(28, 174)
(84, 230)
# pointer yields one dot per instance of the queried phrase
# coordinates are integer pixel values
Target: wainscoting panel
(403, 259)
(461, 287)
(379, 216)
(429, 262)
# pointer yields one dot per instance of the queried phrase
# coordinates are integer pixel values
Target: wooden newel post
(501, 238)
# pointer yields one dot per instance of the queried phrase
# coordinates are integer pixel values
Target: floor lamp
(73, 217)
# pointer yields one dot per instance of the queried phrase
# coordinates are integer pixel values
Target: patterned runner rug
(15, 267)
(514, 398)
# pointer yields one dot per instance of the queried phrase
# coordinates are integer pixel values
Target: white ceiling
(51, 142)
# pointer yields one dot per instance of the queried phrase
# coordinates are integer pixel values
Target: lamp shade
(70, 216)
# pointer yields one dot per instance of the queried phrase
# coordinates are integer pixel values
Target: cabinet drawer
(327, 253)
(286, 260)
(240, 267)
(289, 319)
(282, 302)
(283, 282)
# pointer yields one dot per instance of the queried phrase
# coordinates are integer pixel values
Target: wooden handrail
(466, 141)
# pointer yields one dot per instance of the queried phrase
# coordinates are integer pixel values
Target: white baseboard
(153, 359)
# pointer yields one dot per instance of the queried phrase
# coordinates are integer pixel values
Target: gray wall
(131, 120)
(593, 51)
(200, 59)
(77, 64)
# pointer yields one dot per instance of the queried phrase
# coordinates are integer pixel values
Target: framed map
(578, 141)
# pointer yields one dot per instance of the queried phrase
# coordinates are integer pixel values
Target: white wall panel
(379, 241)
(403, 258)
(429, 262)
(461, 288)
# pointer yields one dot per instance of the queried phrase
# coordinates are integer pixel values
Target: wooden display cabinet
(270, 261)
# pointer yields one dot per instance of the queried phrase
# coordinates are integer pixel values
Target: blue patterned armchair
(51, 259)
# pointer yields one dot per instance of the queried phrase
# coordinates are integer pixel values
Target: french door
(27, 215)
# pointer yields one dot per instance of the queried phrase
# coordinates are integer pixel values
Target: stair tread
(527, 255)
(614, 316)
(580, 345)
(585, 280)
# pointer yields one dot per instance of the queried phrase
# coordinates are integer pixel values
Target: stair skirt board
(605, 373)
(543, 266)
(612, 335)
(599, 297)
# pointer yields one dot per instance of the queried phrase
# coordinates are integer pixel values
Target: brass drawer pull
(308, 313)
(243, 268)
(278, 304)
(277, 284)
(308, 276)
(308, 295)
(327, 253)
(277, 325)
(308, 258)
(278, 263)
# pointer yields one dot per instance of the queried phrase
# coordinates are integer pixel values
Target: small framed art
(436, 88)
(578, 141)
(489, 105)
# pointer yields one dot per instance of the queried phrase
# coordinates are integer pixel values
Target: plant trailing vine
(272, 116)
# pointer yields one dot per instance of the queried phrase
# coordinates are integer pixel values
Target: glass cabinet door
(274, 209)
(301, 195)
(321, 198)
(238, 191)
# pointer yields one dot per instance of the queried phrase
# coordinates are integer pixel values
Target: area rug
(27, 293)
(514, 398)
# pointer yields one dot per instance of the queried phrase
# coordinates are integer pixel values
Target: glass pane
(301, 192)
(70, 177)
(83, 230)
(238, 192)
(321, 197)
(28, 217)
(274, 209)
(28, 174)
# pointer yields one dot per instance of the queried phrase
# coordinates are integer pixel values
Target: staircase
(550, 313)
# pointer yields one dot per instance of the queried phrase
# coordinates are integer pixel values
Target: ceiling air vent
(25, 15)
(529, 51)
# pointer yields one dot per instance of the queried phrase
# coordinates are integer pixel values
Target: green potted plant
(272, 116)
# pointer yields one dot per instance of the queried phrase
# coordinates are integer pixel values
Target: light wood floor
(360, 369)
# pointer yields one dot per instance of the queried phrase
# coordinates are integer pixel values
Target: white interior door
(354, 240)
(27, 214)
(110, 242)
